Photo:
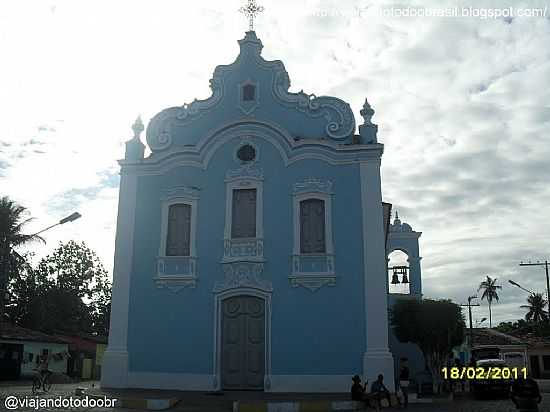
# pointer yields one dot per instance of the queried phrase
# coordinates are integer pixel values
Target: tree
(489, 288)
(436, 326)
(68, 291)
(536, 305)
(12, 222)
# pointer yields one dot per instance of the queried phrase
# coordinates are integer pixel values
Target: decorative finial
(368, 130)
(251, 10)
(137, 127)
(367, 112)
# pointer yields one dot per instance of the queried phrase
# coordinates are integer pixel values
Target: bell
(395, 279)
(405, 278)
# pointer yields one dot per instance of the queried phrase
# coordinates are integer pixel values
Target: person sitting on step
(358, 390)
(379, 392)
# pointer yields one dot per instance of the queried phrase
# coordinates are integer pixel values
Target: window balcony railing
(176, 272)
(312, 271)
(243, 249)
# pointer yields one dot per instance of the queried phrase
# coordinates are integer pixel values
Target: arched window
(312, 226)
(178, 235)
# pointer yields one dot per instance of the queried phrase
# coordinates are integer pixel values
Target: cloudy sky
(462, 104)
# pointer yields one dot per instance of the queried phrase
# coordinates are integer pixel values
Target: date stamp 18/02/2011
(491, 372)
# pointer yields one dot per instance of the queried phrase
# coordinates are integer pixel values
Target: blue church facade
(251, 246)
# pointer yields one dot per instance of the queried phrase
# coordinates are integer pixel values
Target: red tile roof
(486, 336)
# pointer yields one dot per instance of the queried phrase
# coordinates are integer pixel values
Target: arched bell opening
(398, 273)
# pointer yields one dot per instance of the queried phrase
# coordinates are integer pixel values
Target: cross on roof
(251, 10)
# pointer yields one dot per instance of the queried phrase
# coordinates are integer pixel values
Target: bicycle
(41, 380)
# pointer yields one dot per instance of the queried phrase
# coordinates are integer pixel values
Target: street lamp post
(470, 304)
(545, 264)
(521, 287)
(72, 217)
(4, 280)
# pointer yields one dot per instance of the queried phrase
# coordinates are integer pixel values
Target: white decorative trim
(187, 192)
(377, 357)
(304, 195)
(312, 186)
(179, 195)
(337, 113)
(314, 278)
(185, 273)
(245, 177)
(245, 141)
(239, 249)
(244, 173)
(243, 274)
(218, 298)
(312, 271)
(175, 283)
(291, 151)
(115, 363)
(176, 272)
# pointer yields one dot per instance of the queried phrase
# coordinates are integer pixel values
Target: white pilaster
(377, 358)
(114, 373)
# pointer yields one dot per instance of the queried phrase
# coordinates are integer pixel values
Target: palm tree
(536, 305)
(12, 221)
(489, 287)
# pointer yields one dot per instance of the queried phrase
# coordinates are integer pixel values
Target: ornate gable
(252, 88)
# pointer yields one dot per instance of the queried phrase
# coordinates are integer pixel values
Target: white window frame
(244, 183)
(327, 198)
(192, 202)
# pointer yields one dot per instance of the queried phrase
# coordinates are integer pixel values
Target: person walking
(404, 382)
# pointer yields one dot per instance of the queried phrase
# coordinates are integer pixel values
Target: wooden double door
(243, 343)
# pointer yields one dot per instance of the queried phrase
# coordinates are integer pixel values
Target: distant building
(86, 355)
(538, 353)
(490, 344)
(21, 349)
(250, 247)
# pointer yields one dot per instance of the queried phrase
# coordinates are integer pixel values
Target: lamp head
(70, 218)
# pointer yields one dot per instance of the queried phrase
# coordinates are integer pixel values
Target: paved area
(473, 405)
(217, 405)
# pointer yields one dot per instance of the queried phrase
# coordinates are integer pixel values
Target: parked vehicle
(515, 359)
(489, 381)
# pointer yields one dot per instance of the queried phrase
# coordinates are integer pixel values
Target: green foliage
(436, 326)
(521, 327)
(68, 291)
(490, 293)
(12, 221)
(536, 306)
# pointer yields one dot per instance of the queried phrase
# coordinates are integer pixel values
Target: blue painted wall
(173, 332)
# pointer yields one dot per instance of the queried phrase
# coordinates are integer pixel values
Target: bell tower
(403, 238)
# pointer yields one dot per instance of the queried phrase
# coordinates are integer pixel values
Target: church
(252, 243)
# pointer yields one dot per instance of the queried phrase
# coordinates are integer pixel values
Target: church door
(243, 343)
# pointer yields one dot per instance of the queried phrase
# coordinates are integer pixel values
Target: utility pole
(545, 264)
(469, 305)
